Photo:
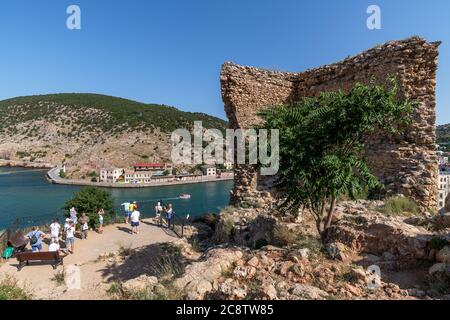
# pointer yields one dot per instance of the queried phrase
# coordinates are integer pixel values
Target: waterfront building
(443, 188)
(209, 171)
(111, 175)
(148, 173)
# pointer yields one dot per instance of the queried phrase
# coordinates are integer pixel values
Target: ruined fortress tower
(407, 164)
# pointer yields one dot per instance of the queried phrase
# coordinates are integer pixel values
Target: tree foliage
(322, 142)
(90, 200)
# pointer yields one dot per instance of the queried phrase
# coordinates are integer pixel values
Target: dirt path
(38, 277)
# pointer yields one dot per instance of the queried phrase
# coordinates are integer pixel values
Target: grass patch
(399, 206)
(283, 237)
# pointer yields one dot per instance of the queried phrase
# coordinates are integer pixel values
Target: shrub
(59, 277)
(399, 206)
(90, 200)
(9, 290)
(282, 236)
(62, 174)
(437, 243)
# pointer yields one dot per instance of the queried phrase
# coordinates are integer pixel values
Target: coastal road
(53, 176)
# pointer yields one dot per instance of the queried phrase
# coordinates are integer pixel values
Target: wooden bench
(26, 257)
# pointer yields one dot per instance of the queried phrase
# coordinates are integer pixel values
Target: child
(135, 215)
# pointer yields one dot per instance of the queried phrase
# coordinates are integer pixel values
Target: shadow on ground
(159, 260)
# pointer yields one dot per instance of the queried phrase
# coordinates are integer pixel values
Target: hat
(68, 219)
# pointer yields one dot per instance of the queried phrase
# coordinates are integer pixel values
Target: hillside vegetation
(90, 131)
(443, 133)
(104, 113)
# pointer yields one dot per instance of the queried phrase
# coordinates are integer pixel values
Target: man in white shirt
(135, 215)
(55, 228)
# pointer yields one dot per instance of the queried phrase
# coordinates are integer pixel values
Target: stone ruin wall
(407, 164)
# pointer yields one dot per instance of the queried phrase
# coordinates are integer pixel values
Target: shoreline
(25, 164)
(54, 178)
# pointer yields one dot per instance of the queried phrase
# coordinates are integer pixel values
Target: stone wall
(407, 164)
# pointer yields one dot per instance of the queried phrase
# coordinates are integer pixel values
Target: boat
(184, 196)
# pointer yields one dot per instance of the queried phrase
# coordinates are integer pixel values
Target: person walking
(55, 229)
(158, 210)
(84, 225)
(70, 236)
(36, 237)
(101, 214)
(126, 207)
(135, 217)
(169, 215)
(73, 215)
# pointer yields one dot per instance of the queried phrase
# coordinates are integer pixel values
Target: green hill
(98, 112)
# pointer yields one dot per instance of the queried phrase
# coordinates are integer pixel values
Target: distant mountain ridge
(89, 131)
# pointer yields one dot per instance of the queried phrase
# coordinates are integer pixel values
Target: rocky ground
(249, 254)
(269, 257)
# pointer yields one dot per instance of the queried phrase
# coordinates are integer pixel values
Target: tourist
(135, 215)
(70, 236)
(84, 225)
(158, 209)
(101, 214)
(169, 215)
(54, 246)
(35, 237)
(126, 207)
(55, 229)
(73, 215)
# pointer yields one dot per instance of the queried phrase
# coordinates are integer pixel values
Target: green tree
(322, 143)
(90, 200)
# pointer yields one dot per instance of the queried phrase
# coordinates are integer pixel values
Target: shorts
(127, 214)
(135, 224)
(70, 241)
(37, 247)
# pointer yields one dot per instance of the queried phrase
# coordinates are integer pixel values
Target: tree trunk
(330, 213)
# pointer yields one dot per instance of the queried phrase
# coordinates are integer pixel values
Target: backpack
(33, 239)
(8, 252)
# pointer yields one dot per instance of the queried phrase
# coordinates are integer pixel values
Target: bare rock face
(308, 292)
(201, 277)
(406, 164)
(141, 283)
(371, 232)
(443, 255)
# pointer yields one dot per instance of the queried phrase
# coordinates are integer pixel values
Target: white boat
(184, 196)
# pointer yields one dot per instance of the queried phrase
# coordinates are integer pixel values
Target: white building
(111, 175)
(443, 187)
(209, 171)
(148, 173)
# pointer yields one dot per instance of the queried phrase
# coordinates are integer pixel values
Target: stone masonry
(407, 164)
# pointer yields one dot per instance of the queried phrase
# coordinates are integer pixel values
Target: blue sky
(171, 51)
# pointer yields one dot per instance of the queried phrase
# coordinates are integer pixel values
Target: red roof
(149, 165)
